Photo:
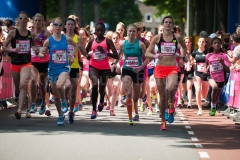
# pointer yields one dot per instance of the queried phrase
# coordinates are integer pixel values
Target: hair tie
(100, 21)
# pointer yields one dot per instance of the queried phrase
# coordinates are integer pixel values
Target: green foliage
(125, 11)
(176, 8)
(111, 11)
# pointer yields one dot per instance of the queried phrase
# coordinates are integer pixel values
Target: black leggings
(96, 76)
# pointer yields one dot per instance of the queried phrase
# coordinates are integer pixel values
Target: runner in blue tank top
(58, 68)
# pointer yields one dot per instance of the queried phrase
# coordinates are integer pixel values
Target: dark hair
(210, 50)
(167, 17)
(1, 22)
(177, 28)
(23, 12)
(8, 23)
(101, 23)
(226, 46)
(226, 38)
(75, 29)
(236, 38)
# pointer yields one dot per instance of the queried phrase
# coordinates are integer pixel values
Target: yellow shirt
(70, 50)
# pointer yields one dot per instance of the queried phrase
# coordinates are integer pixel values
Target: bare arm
(45, 47)
(81, 46)
(144, 50)
(119, 52)
(8, 41)
(150, 50)
(114, 53)
(182, 43)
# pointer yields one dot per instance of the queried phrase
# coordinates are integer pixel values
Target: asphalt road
(105, 138)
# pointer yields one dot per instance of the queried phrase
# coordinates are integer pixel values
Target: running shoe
(136, 117)
(70, 117)
(51, 99)
(47, 112)
(60, 120)
(154, 96)
(100, 107)
(108, 108)
(166, 115)
(64, 106)
(112, 113)
(80, 107)
(163, 126)
(28, 114)
(94, 115)
(84, 101)
(171, 111)
(33, 108)
(199, 113)
(42, 109)
(212, 112)
(142, 107)
(144, 98)
(123, 97)
(189, 106)
(150, 112)
(156, 108)
(18, 114)
(75, 108)
(182, 102)
(130, 121)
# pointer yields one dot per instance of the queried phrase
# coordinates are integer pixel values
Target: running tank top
(132, 55)
(75, 64)
(24, 43)
(200, 61)
(58, 53)
(99, 60)
(168, 48)
(39, 43)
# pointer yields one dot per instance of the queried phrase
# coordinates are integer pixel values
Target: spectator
(8, 23)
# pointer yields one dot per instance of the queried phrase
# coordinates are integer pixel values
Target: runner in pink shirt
(217, 64)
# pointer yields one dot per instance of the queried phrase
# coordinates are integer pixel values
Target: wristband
(13, 49)
(70, 56)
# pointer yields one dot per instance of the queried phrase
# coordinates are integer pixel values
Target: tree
(176, 8)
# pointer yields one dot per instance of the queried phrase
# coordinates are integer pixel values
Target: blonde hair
(120, 24)
(57, 18)
(109, 34)
(39, 15)
(139, 25)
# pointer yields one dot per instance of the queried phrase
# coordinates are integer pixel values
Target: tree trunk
(200, 16)
(43, 8)
(222, 15)
(79, 11)
(63, 9)
(209, 16)
(191, 17)
(96, 10)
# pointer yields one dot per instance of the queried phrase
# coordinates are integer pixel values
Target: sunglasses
(21, 18)
(55, 24)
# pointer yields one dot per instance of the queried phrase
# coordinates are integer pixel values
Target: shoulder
(122, 43)
(156, 38)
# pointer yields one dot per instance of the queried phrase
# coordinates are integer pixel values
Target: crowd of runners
(65, 63)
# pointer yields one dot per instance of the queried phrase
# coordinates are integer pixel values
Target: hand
(118, 70)
(89, 56)
(17, 50)
(113, 67)
(137, 69)
(220, 60)
(36, 51)
(100, 48)
(40, 55)
(71, 60)
(158, 56)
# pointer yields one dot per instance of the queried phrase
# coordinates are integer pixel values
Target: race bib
(131, 62)
(24, 46)
(201, 67)
(216, 67)
(168, 48)
(99, 56)
(70, 49)
(59, 56)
